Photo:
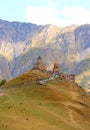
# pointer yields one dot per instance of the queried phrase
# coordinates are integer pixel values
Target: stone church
(39, 65)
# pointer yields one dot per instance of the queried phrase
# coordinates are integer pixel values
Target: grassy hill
(25, 104)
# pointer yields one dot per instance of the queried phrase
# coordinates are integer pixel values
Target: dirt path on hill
(70, 112)
(2, 93)
(72, 119)
(63, 119)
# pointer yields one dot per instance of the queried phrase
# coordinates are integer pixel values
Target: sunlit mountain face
(22, 43)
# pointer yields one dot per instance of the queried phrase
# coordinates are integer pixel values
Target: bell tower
(39, 64)
(39, 60)
(56, 68)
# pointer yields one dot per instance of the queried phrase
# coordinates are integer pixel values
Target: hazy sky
(57, 12)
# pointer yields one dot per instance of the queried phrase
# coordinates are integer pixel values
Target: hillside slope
(25, 104)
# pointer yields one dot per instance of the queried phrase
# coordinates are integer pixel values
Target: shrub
(2, 82)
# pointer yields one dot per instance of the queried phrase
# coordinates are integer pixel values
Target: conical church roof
(39, 57)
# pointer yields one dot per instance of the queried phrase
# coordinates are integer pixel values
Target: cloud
(64, 17)
(52, 4)
(76, 15)
(42, 15)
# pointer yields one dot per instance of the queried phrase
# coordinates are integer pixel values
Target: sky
(41, 12)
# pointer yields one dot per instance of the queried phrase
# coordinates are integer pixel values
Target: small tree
(3, 82)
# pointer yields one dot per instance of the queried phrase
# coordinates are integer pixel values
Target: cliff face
(22, 43)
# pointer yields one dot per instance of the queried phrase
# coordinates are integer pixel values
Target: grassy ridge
(58, 105)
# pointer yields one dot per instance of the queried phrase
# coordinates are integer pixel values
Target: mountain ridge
(21, 43)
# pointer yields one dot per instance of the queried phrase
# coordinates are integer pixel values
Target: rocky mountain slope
(57, 105)
(22, 43)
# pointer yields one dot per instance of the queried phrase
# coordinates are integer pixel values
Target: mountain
(58, 104)
(22, 43)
